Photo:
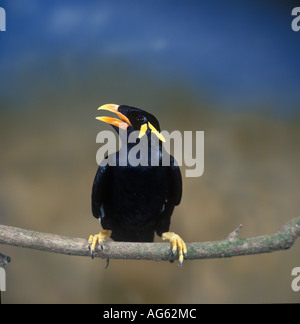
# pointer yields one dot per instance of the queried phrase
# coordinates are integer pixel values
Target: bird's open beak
(123, 123)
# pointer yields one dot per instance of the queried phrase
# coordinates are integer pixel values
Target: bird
(134, 201)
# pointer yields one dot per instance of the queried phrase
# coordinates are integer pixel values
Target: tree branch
(283, 239)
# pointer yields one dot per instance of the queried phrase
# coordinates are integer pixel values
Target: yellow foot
(98, 238)
(177, 244)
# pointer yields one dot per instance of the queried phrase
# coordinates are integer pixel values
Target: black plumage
(134, 202)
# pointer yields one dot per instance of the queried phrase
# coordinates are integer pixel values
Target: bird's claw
(98, 238)
(177, 243)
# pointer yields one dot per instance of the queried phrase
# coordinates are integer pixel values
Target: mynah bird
(133, 202)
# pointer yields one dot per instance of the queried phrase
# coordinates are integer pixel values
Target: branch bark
(283, 239)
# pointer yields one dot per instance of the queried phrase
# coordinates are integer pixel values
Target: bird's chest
(138, 193)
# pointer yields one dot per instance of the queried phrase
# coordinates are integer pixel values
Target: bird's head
(132, 119)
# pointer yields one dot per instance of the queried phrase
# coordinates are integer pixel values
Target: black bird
(131, 201)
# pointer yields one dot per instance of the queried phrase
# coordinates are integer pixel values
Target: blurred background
(229, 69)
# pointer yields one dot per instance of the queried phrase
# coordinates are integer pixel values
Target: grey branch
(283, 239)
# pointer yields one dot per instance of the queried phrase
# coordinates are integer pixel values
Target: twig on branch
(283, 239)
(234, 235)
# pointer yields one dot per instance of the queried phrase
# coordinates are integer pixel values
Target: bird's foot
(98, 238)
(177, 243)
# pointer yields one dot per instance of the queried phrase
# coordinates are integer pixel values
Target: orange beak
(123, 123)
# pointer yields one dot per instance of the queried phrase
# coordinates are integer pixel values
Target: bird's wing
(175, 183)
(173, 197)
(100, 185)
